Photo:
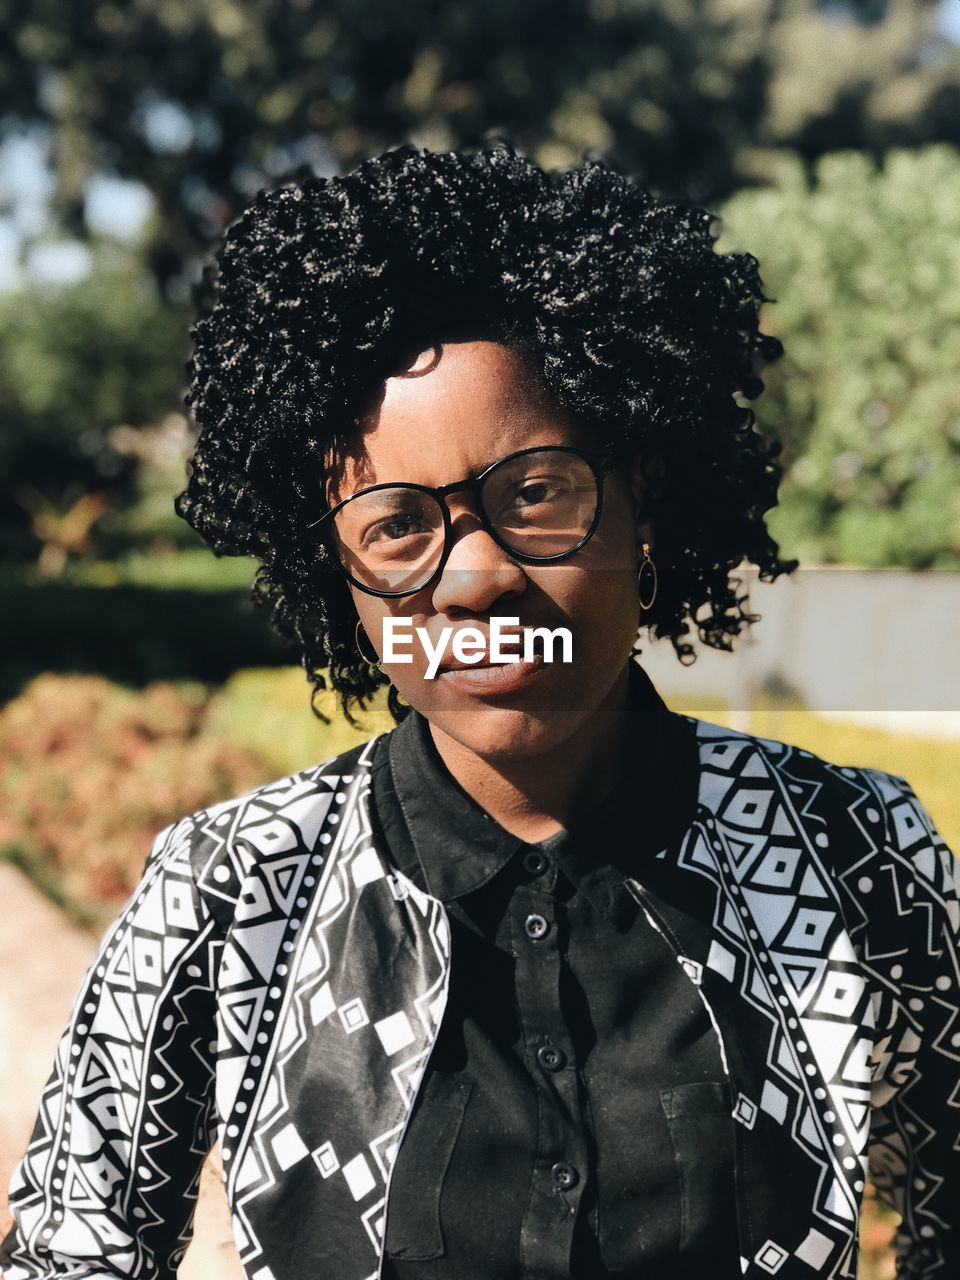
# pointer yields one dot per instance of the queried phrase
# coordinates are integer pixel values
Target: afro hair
(619, 302)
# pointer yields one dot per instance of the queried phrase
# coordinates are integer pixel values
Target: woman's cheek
(410, 675)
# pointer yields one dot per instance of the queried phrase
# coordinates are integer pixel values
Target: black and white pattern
(276, 982)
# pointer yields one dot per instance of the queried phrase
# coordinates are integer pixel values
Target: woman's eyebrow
(472, 474)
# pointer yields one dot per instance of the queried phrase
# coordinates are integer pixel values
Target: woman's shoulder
(224, 841)
(853, 815)
(741, 754)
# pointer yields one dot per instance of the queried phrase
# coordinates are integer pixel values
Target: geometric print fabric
(277, 982)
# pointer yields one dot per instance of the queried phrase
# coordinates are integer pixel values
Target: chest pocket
(413, 1209)
(701, 1130)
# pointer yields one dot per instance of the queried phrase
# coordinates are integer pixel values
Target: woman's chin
(515, 720)
(489, 727)
(501, 737)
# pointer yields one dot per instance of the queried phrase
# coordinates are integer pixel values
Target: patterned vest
(275, 981)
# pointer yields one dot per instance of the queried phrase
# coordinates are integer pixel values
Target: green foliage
(193, 570)
(75, 362)
(206, 100)
(86, 356)
(864, 263)
(135, 634)
(267, 710)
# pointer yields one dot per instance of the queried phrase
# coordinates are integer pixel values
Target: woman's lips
(481, 678)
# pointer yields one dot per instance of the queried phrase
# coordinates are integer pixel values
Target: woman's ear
(644, 472)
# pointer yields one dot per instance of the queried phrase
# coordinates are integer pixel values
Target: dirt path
(42, 960)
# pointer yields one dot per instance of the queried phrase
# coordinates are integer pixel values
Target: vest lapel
(334, 980)
(359, 977)
(753, 917)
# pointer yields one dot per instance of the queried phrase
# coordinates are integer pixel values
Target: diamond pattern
(225, 1001)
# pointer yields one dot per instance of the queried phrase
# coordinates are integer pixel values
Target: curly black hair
(619, 303)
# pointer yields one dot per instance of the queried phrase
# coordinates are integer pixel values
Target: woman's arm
(108, 1185)
(915, 939)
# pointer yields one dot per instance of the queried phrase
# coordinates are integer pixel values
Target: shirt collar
(460, 847)
(458, 844)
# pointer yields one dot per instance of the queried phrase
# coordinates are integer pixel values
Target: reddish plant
(90, 771)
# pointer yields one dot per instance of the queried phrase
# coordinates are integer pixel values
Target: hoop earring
(647, 563)
(371, 662)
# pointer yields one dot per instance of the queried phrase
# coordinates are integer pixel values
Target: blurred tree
(205, 101)
(75, 362)
(881, 82)
(864, 264)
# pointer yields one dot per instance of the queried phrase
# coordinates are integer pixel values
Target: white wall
(878, 646)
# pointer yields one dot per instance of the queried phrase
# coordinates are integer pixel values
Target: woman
(427, 995)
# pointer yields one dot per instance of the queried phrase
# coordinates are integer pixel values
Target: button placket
(551, 1058)
(536, 926)
(547, 1230)
(565, 1175)
(536, 863)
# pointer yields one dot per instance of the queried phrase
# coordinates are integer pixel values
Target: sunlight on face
(457, 409)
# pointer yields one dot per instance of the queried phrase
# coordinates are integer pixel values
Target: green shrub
(864, 263)
(134, 633)
(90, 772)
(268, 710)
(77, 361)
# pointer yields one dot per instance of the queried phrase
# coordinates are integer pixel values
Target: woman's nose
(477, 571)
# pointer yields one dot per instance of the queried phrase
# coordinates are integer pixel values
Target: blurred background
(137, 683)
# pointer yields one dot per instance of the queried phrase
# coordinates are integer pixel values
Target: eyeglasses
(540, 505)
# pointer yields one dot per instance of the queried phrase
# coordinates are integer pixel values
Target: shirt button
(565, 1176)
(550, 1058)
(536, 926)
(535, 862)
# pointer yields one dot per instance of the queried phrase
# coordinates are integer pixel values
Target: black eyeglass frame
(600, 462)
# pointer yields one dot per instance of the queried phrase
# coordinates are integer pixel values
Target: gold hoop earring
(647, 565)
(371, 662)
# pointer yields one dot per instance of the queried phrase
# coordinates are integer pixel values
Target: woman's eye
(535, 492)
(393, 528)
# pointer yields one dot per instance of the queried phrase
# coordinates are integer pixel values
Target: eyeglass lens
(540, 504)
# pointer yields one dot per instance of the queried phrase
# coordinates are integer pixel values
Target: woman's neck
(534, 797)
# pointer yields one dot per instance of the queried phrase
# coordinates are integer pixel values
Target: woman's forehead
(481, 382)
(453, 411)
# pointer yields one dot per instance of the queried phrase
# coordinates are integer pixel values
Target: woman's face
(457, 409)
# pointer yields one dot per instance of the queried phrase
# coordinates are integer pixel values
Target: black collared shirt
(575, 1118)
